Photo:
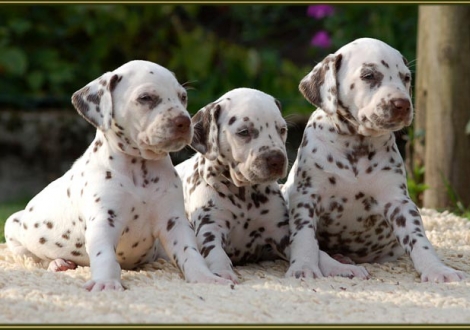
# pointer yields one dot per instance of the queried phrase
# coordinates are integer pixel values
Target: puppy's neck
(340, 131)
(118, 142)
(217, 175)
(109, 153)
(342, 123)
(212, 171)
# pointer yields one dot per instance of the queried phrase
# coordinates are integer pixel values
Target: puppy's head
(140, 106)
(243, 130)
(366, 81)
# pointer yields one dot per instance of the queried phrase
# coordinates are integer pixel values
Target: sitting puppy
(347, 191)
(230, 190)
(123, 196)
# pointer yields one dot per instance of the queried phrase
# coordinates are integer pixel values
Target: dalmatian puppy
(123, 197)
(347, 190)
(230, 189)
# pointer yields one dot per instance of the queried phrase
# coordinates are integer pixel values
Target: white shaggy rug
(158, 295)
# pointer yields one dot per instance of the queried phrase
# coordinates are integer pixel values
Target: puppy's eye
(243, 133)
(283, 130)
(367, 76)
(407, 79)
(145, 98)
(183, 98)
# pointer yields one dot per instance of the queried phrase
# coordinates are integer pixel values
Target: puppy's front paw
(303, 271)
(441, 274)
(346, 270)
(219, 280)
(95, 286)
(208, 277)
(228, 274)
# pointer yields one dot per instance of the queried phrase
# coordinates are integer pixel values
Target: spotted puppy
(347, 189)
(123, 197)
(230, 189)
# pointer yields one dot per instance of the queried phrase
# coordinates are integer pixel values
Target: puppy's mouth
(164, 143)
(266, 168)
(175, 144)
(389, 124)
(237, 178)
(376, 125)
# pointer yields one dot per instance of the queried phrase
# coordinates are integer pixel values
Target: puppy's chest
(247, 204)
(259, 217)
(354, 194)
(146, 177)
(335, 161)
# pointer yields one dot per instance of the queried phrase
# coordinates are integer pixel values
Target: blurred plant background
(47, 52)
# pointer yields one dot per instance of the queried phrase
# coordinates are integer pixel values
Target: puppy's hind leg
(13, 227)
(61, 265)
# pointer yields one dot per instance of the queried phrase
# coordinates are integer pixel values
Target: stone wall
(37, 147)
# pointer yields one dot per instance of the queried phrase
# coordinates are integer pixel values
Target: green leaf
(13, 60)
(35, 80)
(20, 25)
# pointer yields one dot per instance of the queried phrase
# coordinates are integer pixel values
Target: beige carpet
(156, 294)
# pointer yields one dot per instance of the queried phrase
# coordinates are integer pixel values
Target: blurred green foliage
(397, 25)
(49, 51)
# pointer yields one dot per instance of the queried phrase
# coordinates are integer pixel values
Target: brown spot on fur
(170, 224)
(113, 82)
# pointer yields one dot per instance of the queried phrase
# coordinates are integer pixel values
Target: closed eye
(183, 98)
(145, 98)
(367, 76)
(243, 133)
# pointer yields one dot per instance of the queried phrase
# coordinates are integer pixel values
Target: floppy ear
(319, 87)
(206, 131)
(94, 101)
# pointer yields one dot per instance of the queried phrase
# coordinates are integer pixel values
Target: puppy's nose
(182, 124)
(275, 162)
(400, 107)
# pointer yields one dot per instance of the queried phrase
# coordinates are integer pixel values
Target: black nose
(276, 162)
(400, 107)
(182, 124)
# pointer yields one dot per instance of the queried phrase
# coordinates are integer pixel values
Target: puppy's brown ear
(320, 86)
(206, 131)
(94, 102)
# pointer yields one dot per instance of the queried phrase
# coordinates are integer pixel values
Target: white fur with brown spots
(123, 197)
(230, 189)
(347, 190)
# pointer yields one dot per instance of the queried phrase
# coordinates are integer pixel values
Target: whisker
(185, 84)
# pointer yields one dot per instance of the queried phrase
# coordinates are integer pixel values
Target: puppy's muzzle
(400, 109)
(395, 114)
(181, 126)
(276, 162)
(271, 165)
